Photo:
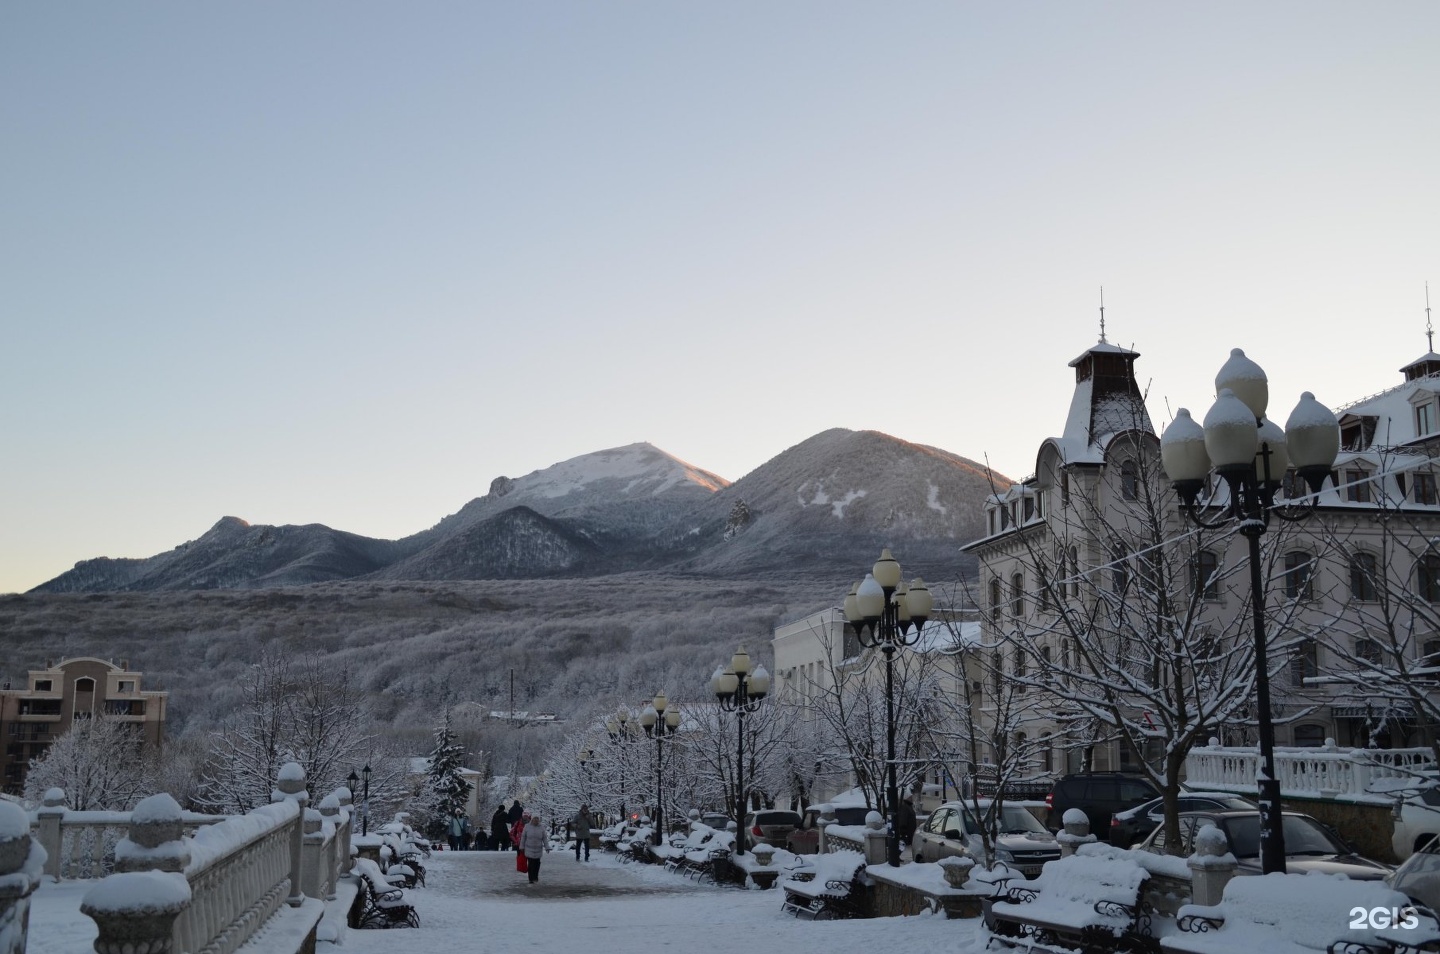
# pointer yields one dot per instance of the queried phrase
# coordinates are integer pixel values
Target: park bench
(689, 853)
(1087, 903)
(380, 903)
(829, 887)
(1302, 914)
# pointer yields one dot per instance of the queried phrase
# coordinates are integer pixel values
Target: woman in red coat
(516, 830)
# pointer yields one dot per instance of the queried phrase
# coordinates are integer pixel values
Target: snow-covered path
(477, 903)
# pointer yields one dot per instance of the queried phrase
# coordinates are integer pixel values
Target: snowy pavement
(477, 903)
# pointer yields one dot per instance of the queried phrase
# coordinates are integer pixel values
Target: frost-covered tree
(100, 763)
(447, 792)
(294, 710)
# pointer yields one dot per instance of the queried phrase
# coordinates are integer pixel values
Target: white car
(1418, 822)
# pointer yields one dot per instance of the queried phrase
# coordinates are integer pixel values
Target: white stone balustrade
(1326, 771)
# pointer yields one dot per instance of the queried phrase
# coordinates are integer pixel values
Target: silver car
(1021, 841)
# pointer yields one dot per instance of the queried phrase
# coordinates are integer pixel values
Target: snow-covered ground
(477, 903)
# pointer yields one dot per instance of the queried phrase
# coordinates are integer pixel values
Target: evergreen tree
(446, 790)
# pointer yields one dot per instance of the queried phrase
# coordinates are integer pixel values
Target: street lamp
(584, 757)
(1252, 454)
(365, 802)
(740, 691)
(659, 721)
(881, 610)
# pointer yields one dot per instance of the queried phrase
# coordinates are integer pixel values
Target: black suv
(1099, 795)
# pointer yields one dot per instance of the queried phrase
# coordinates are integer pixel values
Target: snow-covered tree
(303, 710)
(100, 763)
(447, 792)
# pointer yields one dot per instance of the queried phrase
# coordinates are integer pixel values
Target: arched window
(1129, 480)
(1427, 573)
(1074, 571)
(997, 671)
(1017, 595)
(1298, 569)
(1020, 663)
(1205, 575)
(1362, 577)
(1119, 570)
(997, 601)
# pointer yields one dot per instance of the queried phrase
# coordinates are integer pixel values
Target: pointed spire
(1102, 310)
(1429, 328)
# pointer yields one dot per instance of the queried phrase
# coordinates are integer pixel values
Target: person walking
(457, 830)
(905, 820)
(500, 829)
(534, 842)
(580, 825)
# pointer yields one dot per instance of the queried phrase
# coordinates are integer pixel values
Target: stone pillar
(316, 866)
(156, 839)
(1076, 833)
(1211, 867)
(345, 851)
(135, 911)
(50, 815)
(22, 865)
(876, 840)
(335, 862)
(823, 822)
(291, 785)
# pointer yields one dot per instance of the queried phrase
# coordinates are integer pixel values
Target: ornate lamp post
(882, 610)
(365, 802)
(584, 757)
(740, 691)
(1252, 454)
(659, 721)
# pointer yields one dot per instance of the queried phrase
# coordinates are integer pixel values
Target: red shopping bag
(522, 865)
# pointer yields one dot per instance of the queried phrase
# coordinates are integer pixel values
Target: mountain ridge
(824, 502)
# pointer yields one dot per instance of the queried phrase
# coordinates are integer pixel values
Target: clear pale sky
(347, 262)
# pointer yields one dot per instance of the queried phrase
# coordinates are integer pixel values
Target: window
(44, 685)
(1129, 480)
(997, 671)
(1298, 583)
(1046, 763)
(1424, 419)
(1305, 663)
(1427, 572)
(1020, 668)
(1120, 570)
(1425, 490)
(996, 600)
(1310, 735)
(1064, 489)
(1029, 510)
(126, 685)
(1362, 577)
(1357, 486)
(1074, 571)
(1017, 595)
(1205, 579)
(1430, 653)
(1367, 650)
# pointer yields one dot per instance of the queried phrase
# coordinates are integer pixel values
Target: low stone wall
(1366, 825)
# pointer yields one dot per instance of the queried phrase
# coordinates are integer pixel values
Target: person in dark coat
(581, 825)
(500, 829)
(905, 820)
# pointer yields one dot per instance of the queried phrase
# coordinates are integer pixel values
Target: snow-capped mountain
(830, 501)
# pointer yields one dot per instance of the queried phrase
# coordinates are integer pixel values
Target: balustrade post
(1076, 832)
(1211, 867)
(343, 849)
(136, 907)
(291, 785)
(316, 866)
(330, 812)
(22, 865)
(50, 815)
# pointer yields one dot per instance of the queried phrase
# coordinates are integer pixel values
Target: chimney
(125, 664)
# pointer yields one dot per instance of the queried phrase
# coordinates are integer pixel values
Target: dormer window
(1029, 509)
(1424, 419)
(1357, 485)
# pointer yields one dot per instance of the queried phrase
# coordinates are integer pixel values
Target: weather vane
(1102, 309)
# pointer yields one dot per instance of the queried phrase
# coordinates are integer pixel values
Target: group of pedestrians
(525, 832)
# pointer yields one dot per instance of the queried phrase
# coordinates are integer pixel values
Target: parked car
(1133, 824)
(716, 821)
(805, 840)
(771, 826)
(1099, 795)
(953, 829)
(1309, 845)
(1419, 877)
(1418, 822)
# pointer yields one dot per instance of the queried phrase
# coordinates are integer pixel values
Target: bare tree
(100, 763)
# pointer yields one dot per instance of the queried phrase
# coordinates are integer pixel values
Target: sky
(346, 263)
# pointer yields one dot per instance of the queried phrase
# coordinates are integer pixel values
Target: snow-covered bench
(1086, 902)
(829, 886)
(380, 902)
(1301, 914)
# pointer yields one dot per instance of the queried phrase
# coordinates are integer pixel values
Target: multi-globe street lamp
(1252, 455)
(659, 720)
(881, 610)
(619, 728)
(584, 757)
(740, 690)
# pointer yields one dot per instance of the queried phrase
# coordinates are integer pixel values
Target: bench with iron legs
(1088, 904)
(379, 903)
